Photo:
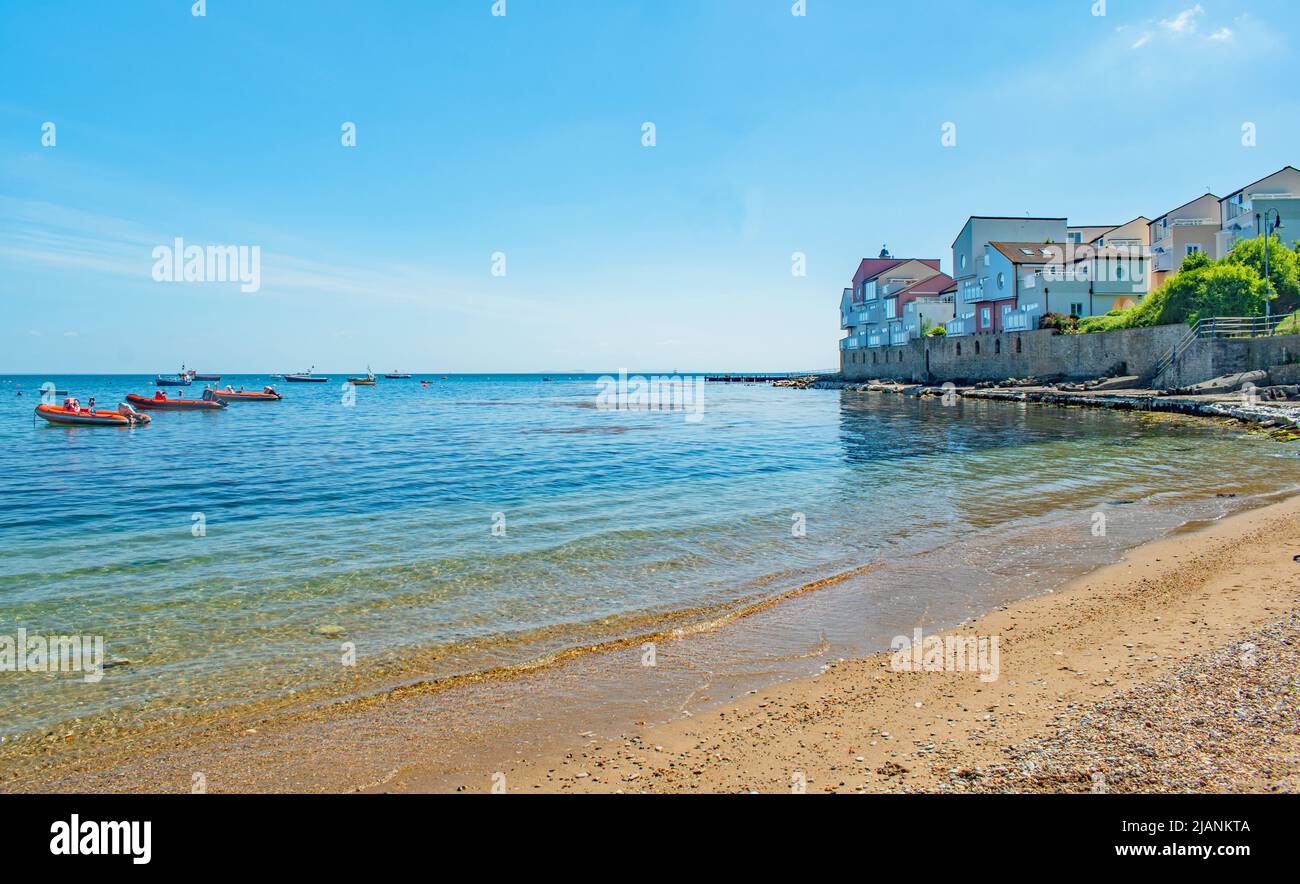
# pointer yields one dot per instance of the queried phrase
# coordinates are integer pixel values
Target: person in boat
(90, 406)
(268, 389)
(71, 404)
(159, 396)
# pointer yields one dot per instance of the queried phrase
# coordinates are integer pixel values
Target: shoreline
(793, 706)
(1180, 603)
(1281, 420)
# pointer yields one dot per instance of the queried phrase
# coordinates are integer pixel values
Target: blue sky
(522, 134)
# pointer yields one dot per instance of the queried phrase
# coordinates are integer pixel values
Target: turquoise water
(378, 518)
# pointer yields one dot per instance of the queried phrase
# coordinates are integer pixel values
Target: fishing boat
(266, 394)
(367, 381)
(70, 413)
(172, 380)
(396, 375)
(304, 377)
(159, 402)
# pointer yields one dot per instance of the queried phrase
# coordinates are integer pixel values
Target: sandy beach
(1171, 670)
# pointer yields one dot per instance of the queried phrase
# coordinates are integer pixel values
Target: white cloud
(1184, 22)
(1142, 41)
(1222, 35)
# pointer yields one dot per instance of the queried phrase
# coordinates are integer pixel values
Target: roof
(934, 285)
(1186, 204)
(872, 268)
(1146, 222)
(1002, 218)
(1015, 252)
(1092, 231)
(1253, 183)
(1122, 252)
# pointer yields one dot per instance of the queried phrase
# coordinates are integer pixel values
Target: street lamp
(1268, 234)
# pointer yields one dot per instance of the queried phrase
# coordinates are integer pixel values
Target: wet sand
(1104, 686)
(1065, 658)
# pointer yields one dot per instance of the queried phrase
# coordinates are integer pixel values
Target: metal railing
(1020, 321)
(961, 325)
(1225, 328)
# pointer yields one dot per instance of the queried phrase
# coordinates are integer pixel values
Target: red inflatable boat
(159, 402)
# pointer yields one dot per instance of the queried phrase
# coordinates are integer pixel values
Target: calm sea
(233, 557)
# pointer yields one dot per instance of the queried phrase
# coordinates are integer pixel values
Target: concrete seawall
(994, 357)
(1216, 357)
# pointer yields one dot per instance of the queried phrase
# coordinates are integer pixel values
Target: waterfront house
(871, 310)
(921, 306)
(1190, 228)
(1011, 297)
(1108, 272)
(978, 297)
(1242, 213)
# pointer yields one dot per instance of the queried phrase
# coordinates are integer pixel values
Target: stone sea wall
(1038, 354)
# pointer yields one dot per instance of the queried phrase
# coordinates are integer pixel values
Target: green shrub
(1059, 322)
(1201, 289)
(1283, 268)
(937, 331)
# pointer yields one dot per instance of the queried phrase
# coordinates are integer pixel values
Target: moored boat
(396, 375)
(266, 394)
(367, 381)
(72, 414)
(304, 377)
(159, 402)
(205, 377)
(172, 380)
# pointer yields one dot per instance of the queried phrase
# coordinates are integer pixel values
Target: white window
(986, 316)
(1076, 309)
(1002, 280)
(1193, 248)
(963, 262)
(1075, 237)
(891, 308)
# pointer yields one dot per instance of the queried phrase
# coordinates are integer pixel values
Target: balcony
(1233, 211)
(853, 342)
(876, 340)
(1024, 319)
(1057, 273)
(962, 325)
(898, 337)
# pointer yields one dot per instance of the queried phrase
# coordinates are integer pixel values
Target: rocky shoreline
(1275, 408)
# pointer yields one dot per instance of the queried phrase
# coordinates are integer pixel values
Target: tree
(1283, 268)
(1228, 289)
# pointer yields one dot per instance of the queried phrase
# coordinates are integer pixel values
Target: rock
(328, 630)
